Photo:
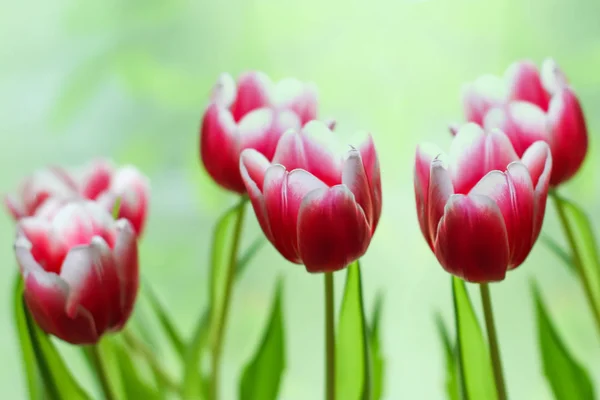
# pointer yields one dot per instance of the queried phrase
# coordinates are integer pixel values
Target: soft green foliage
(352, 378)
(134, 386)
(475, 368)
(376, 356)
(565, 375)
(558, 251)
(261, 378)
(586, 245)
(450, 354)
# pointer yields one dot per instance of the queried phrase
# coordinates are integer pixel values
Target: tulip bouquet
(318, 200)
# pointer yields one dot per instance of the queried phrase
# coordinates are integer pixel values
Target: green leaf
(475, 368)
(375, 353)
(57, 379)
(352, 379)
(586, 245)
(164, 320)
(262, 375)
(134, 385)
(116, 208)
(558, 251)
(245, 259)
(34, 387)
(110, 364)
(450, 355)
(567, 378)
(206, 328)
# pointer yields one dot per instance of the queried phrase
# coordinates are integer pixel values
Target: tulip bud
(253, 114)
(80, 271)
(481, 208)
(535, 106)
(317, 206)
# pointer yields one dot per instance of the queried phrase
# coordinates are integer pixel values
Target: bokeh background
(129, 80)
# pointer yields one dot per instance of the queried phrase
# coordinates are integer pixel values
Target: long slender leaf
(165, 321)
(245, 259)
(475, 368)
(134, 385)
(34, 387)
(376, 355)
(261, 378)
(567, 378)
(558, 251)
(586, 245)
(57, 379)
(352, 380)
(452, 390)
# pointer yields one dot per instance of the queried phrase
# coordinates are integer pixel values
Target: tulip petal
(224, 91)
(46, 296)
(300, 97)
(425, 154)
(220, 148)
(568, 132)
(479, 96)
(440, 190)
(523, 79)
(355, 178)
(324, 155)
(125, 254)
(261, 129)
(538, 161)
(84, 275)
(371, 165)
(253, 167)
(553, 77)
(253, 90)
(14, 207)
(332, 229)
(474, 153)
(97, 179)
(283, 194)
(523, 123)
(472, 241)
(290, 151)
(35, 233)
(513, 193)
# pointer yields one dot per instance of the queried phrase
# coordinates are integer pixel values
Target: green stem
(493, 340)
(576, 257)
(329, 338)
(139, 347)
(101, 371)
(217, 344)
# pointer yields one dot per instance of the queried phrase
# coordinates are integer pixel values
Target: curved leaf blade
(565, 375)
(57, 379)
(34, 387)
(134, 386)
(352, 380)
(452, 390)
(558, 251)
(586, 245)
(375, 353)
(261, 378)
(475, 368)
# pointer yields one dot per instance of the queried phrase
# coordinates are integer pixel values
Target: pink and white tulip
(80, 271)
(318, 207)
(481, 208)
(529, 105)
(252, 114)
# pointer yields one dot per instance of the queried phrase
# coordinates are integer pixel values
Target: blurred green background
(129, 80)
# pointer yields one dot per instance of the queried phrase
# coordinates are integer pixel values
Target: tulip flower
(47, 190)
(481, 208)
(317, 206)
(80, 271)
(252, 114)
(529, 105)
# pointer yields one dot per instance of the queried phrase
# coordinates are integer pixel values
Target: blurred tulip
(529, 106)
(80, 271)
(51, 182)
(482, 211)
(104, 183)
(252, 114)
(317, 206)
(49, 189)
